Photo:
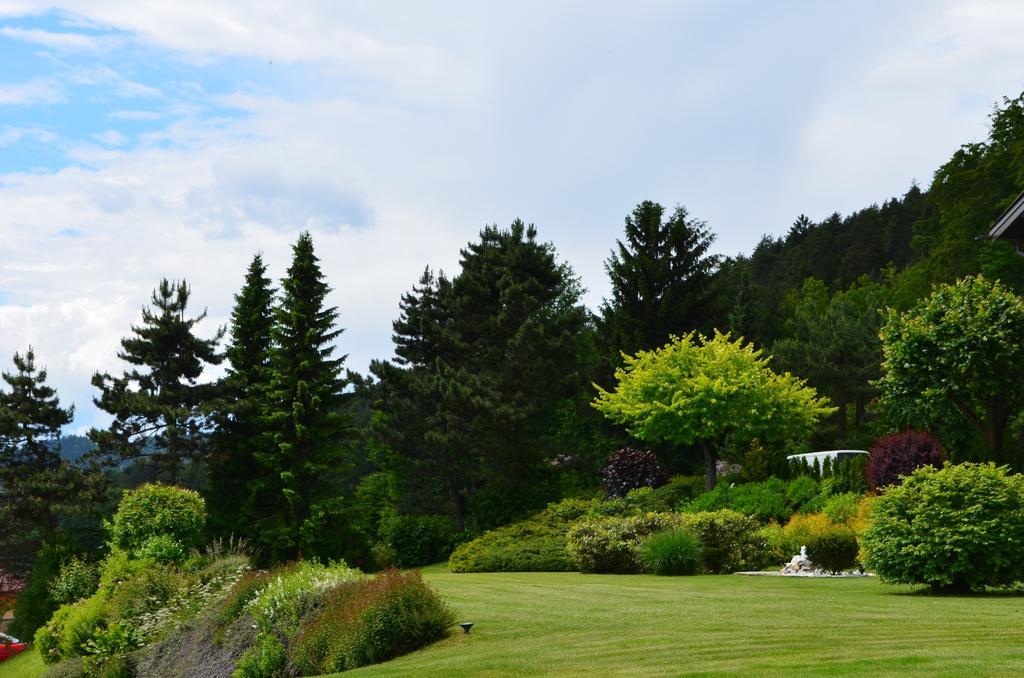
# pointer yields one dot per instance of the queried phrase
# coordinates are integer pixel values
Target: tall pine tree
(307, 432)
(161, 410)
(484, 367)
(233, 463)
(39, 486)
(661, 279)
(416, 393)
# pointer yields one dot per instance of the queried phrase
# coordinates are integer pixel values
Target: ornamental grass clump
(958, 528)
(612, 545)
(672, 552)
(369, 621)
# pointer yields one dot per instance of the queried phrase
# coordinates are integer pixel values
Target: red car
(10, 646)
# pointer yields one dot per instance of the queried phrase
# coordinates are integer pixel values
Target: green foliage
(533, 545)
(77, 579)
(957, 356)
(611, 545)
(660, 277)
(832, 340)
(172, 514)
(842, 508)
(107, 646)
(370, 621)
(162, 548)
(70, 627)
(293, 592)
(39, 487)
(696, 390)
(233, 468)
(418, 540)
(306, 429)
(762, 501)
(487, 365)
(159, 406)
(34, 604)
(265, 659)
(801, 491)
(728, 539)
(672, 552)
(834, 550)
(958, 528)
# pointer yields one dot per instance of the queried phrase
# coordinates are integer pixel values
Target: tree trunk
(997, 422)
(458, 513)
(710, 463)
(841, 403)
(858, 420)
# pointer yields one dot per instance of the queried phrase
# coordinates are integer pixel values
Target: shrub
(764, 501)
(728, 539)
(162, 548)
(418, 540)
(264, 659)
(369, 621)
(34, 604)
(801, 491)
(678, 490)
(774, 548)
(834, 549)
(534, 545)
(628, 469)
(77, 579)
(153, 510)
(672, 552)
(611, 545)
(801, 529)
(842, 509)
(849, 475)
(70, 627)
(900, 454)
(956, 528)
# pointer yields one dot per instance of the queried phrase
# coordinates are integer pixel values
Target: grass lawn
(572, 624)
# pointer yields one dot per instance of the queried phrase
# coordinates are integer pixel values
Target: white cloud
(62, 42)
(35, 91)
(11, 135)
(135, 115)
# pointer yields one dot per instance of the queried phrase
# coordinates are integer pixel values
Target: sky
(154, 139)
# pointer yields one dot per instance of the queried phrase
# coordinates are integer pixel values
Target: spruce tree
(661, 279)
(233, 462)
(161, 410)
(38, 485)
(306, 429)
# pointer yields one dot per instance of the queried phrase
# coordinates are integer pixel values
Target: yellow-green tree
(697, 390)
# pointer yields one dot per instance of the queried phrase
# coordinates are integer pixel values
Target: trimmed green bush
(534, 545)
(959, 528)
(155, 510)
(729, 540)
(610, 545)
(834, 550)
(672, 552)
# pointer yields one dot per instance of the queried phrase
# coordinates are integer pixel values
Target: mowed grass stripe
(572, 624)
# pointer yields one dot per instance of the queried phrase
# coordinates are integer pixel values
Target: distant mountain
(74, 447)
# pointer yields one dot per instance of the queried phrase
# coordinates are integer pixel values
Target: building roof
(1010, 224)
